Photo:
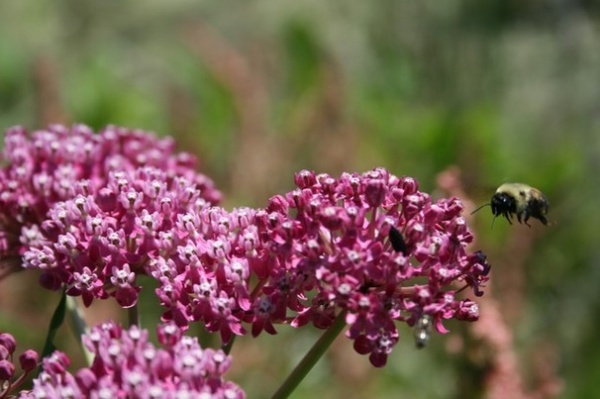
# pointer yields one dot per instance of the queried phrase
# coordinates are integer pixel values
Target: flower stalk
(311, 358)
(79, 326)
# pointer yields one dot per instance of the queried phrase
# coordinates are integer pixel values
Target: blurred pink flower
(126, 364)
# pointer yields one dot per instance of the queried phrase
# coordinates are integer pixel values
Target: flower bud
(8, 341)
(7, 370)
(29, 360)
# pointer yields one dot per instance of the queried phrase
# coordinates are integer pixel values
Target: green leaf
(57, 320)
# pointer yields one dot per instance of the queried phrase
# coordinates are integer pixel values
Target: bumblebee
(521, 200)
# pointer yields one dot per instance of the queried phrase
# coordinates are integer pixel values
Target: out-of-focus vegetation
(504, 90)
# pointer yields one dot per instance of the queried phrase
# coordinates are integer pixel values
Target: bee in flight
(518, 199)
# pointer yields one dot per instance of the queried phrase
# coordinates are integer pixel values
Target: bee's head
(503, 203)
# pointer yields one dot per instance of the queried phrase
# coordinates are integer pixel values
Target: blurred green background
(258, 89)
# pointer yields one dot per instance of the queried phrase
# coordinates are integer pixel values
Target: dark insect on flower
(518, 199)
(422, 331)
(397, 241)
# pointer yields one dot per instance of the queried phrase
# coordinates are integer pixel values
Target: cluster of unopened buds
(94, 212)
(28, 361)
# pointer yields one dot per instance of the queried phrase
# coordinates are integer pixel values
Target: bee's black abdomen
(537, 208)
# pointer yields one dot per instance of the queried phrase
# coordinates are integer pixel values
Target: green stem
(79, 326)
(311, 358)
(58, 317)
(133, 315)
(227, 347)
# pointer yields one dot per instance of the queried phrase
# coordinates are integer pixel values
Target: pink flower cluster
(323, 249)
(28, 361)
(96, 243)
(56, 164)
(311, 254)
(126, 364)
(57, 177)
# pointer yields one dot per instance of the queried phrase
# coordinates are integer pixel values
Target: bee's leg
(526, 216)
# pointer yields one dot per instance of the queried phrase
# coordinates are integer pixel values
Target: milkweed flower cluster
(310, 255)
(126, 364)
(323, 249)
(74, 175)
(330, 236)
(58, 163)
(28, 361)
